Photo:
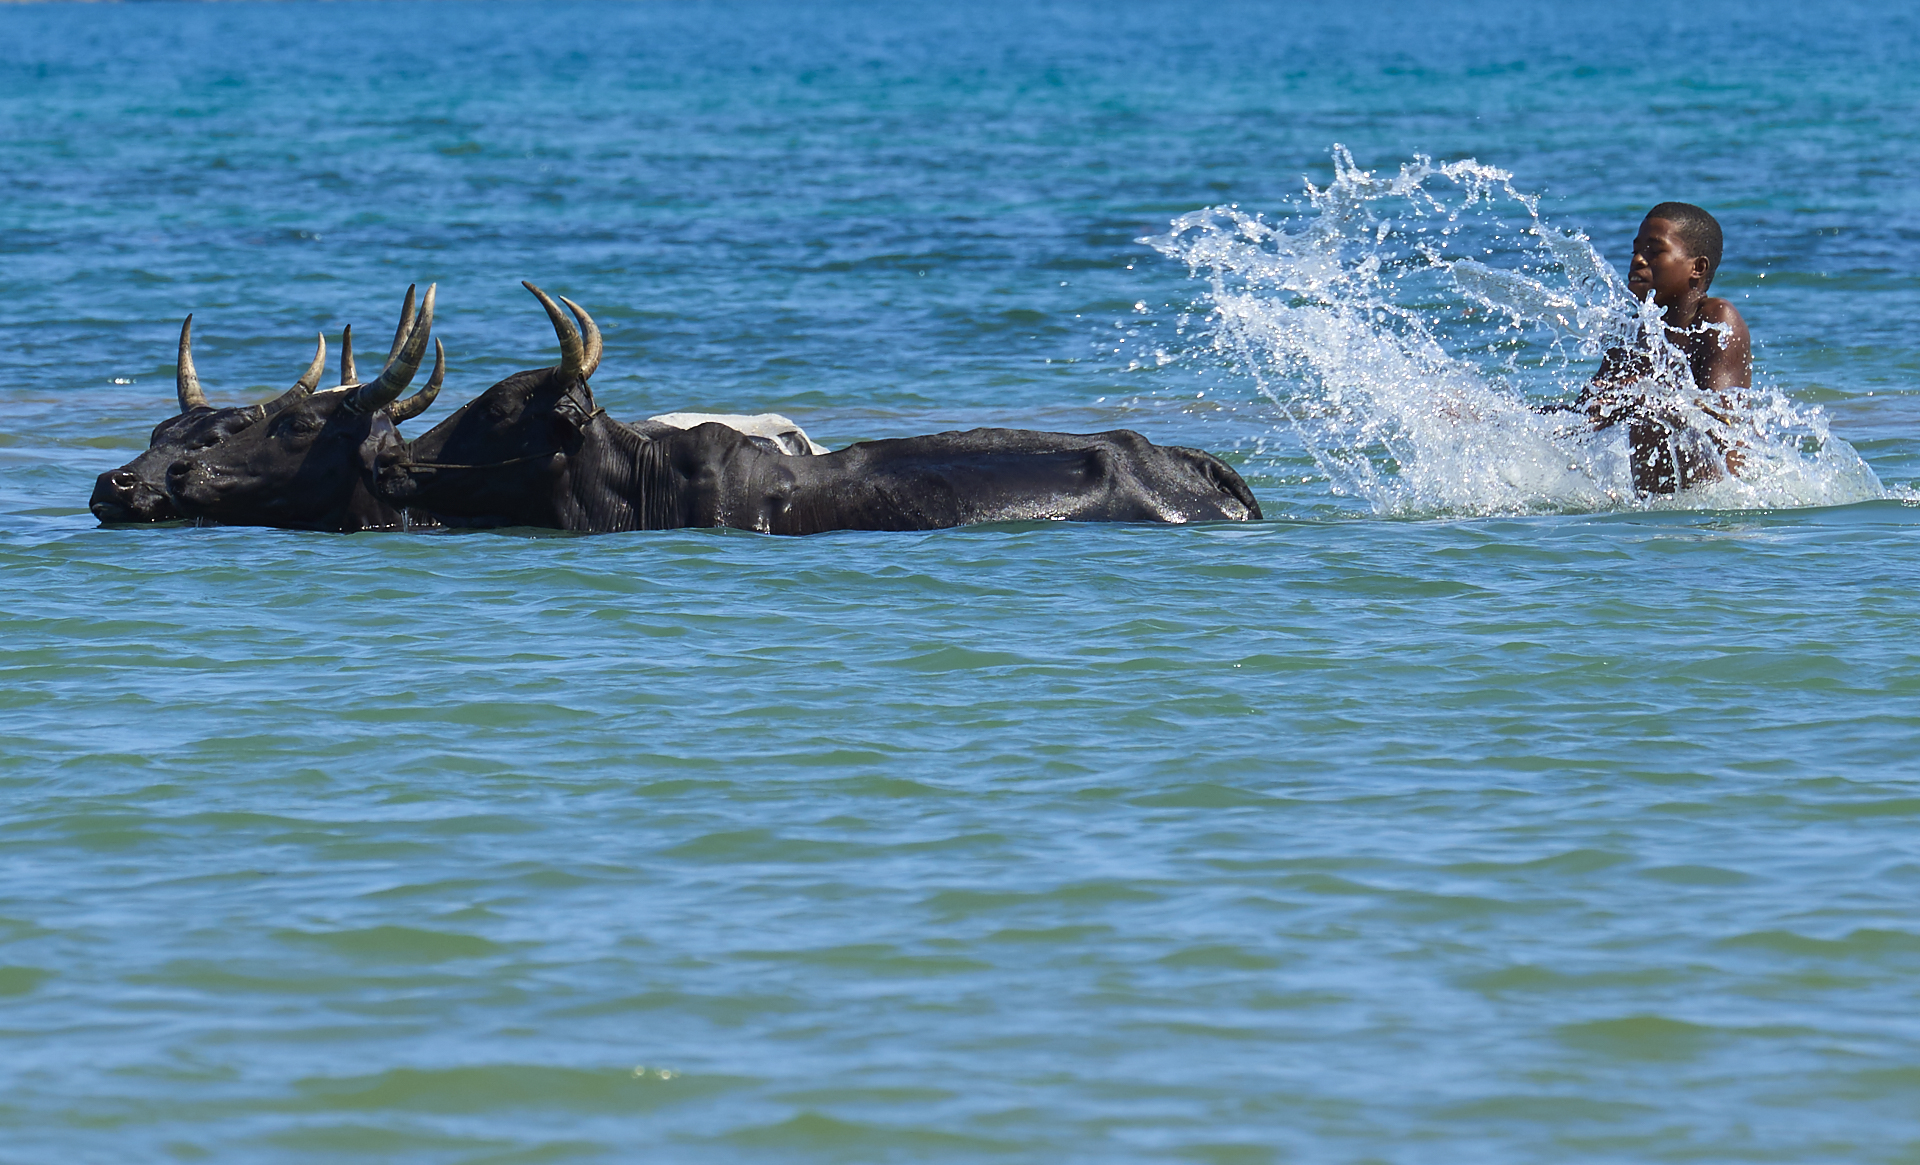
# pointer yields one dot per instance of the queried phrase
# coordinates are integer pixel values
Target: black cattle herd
(535, 450)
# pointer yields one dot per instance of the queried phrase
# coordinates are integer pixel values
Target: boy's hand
(1609, 405)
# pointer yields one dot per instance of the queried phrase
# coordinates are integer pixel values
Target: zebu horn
(348, 373)
(420, 402)
(405, 325)
(311, 377)
(301, 387)
(591, 335)
(186, 382)
(574, 363)
(399, 371)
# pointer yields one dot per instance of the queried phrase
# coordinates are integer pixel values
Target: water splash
(1416, 329)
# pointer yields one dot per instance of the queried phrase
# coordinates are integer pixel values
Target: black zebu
(308, 462)
(137, 491)
(534, 450)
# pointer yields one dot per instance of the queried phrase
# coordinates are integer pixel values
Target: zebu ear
(572, 414)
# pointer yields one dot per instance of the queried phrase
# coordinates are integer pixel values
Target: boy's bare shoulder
(1724, 361)
(1714, 310)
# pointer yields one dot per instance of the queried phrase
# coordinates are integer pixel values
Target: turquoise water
(1405, 826)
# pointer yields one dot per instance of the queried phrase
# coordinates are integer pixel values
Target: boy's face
(1663, 265)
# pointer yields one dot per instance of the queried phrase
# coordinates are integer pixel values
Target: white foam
(1406, 326)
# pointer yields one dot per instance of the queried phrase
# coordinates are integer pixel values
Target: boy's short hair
(1698, 230)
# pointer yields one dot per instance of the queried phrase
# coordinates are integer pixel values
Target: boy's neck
(1682, 313)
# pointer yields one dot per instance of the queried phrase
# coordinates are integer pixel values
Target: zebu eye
(299, 426)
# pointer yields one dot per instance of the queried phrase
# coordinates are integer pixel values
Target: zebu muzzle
(120, 496)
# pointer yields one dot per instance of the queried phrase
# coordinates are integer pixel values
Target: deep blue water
(1539, 836)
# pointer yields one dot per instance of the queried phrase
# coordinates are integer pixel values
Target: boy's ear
(1702, 270)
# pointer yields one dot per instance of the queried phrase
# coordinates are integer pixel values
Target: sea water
(1469, 808)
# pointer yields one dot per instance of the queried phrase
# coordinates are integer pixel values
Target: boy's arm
(1609, 395)
(1617, 367)
(1729, 356)
(1728, 366)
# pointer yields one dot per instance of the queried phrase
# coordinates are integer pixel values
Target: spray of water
(1416, 330)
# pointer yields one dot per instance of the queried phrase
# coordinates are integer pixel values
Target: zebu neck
(617, 480)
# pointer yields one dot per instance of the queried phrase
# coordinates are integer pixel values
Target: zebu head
(501, 457)
(137, 491)
(307, 461)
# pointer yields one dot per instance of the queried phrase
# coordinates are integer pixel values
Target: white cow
(791, 438)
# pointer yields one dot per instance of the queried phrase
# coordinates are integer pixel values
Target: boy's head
(1676, 251)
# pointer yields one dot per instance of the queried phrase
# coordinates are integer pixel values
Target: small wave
(1411, 328)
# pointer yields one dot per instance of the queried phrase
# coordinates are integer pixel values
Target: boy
(1675, 256)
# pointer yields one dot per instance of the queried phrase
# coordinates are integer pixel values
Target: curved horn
(311, 376)
(405, 326)
(301, 387)
(573, 353)
(348, 373)
(420, 402)
(399, 371)
(590, 333)
(186, 382)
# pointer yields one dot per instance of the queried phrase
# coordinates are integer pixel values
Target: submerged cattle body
(309, 463)
(534, 450)
(137, 491)
(1009, 475)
